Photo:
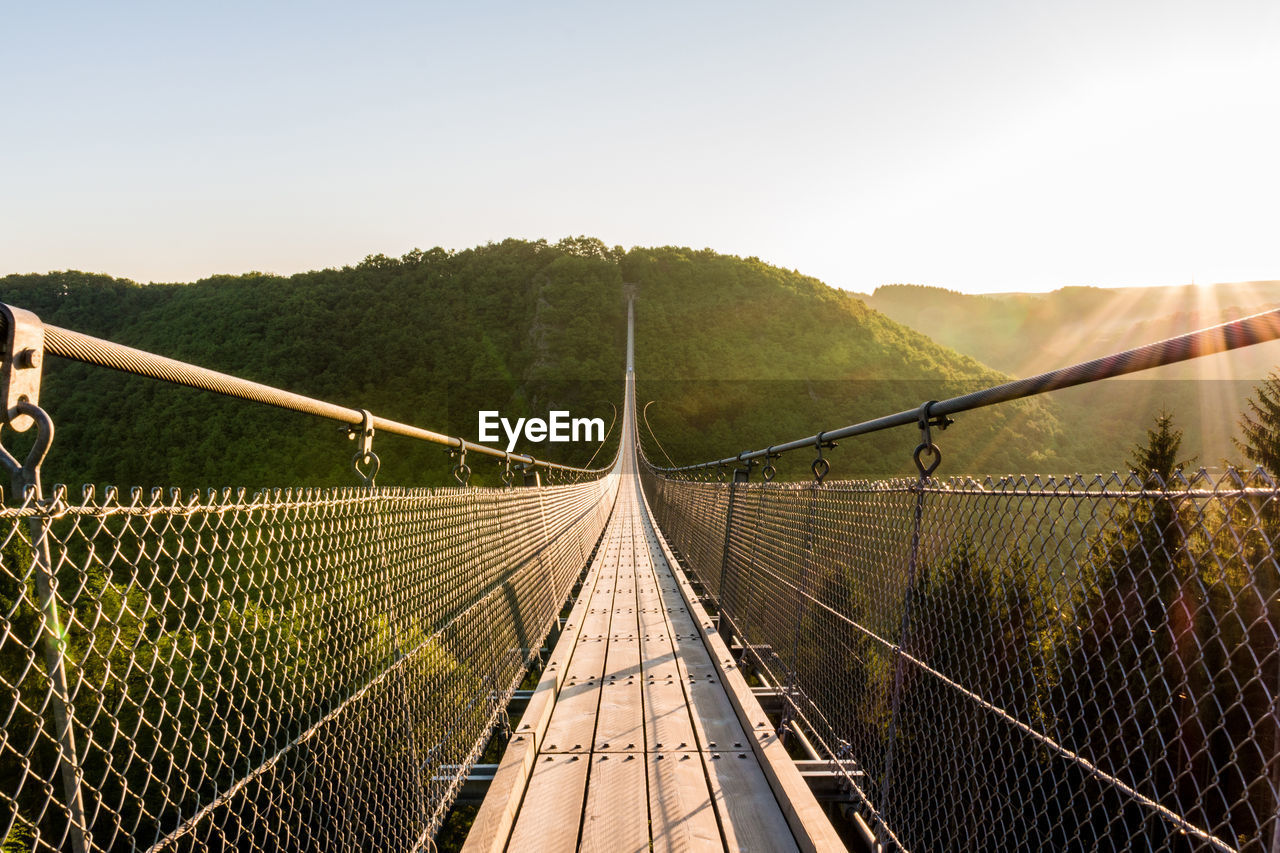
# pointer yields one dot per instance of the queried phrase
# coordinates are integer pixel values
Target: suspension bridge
(636, 657)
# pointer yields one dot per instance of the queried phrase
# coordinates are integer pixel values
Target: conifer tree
(1159, 455)
(1260, 425)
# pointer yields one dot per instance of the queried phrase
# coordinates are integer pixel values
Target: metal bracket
(926, 447)
(27, 474)
(461, 470)
(21, 362)
(364, 456)
(530, 474)
(768, 472)
(821, 466)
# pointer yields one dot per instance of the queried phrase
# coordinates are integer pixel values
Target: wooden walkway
(642, 734)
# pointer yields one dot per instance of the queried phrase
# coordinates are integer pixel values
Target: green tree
(1126, 686)
(1260, 424)
(1245, 603)
(1159, 456)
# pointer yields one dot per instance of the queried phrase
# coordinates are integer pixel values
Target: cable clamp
(461, 471)
(926, 420)
(365, 462)
(768, 472)
(21, 364)
(821, 467)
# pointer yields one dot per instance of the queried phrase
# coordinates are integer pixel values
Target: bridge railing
(1014, 664)
(283, 670)
(1022, 663)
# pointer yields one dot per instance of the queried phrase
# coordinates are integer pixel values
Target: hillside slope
(427, 339)
(1029, 333)
(738, 353)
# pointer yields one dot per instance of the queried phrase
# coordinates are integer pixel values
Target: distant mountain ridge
(1029, 333)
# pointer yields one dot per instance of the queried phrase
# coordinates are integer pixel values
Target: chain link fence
(1034, 664)
(291, 670)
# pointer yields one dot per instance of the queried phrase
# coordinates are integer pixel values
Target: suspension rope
(604, 440)
(644, 413)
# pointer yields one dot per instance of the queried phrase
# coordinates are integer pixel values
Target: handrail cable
(1247, 331)
(645, 414)
(77, 346)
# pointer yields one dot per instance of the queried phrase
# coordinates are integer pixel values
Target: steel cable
(1247, 331)
(90, 350)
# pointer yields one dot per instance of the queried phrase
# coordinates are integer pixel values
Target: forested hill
(1029, 333)
(426, 339)
(737, 353)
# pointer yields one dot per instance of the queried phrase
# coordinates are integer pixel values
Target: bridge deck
(643, 743)
(642, 734)
(631, 741)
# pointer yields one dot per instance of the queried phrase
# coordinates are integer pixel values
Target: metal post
(21, 361)
(895, 701)
(530, 476)
(741, 476)
(722, 604)
(752, 582)
(487, 569)
(802, 592)
(926, 448)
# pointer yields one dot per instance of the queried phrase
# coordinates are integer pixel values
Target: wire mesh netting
(289, 670)
(1017, 664)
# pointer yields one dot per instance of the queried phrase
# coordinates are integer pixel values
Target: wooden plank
(682, 817)
(694, 656)
(653, 620)
(552, 810)
(623, 659)
(497, 815)
(588, 659)
(573, 722)
(655, 646)
(616, 819)
(749, 814)
(661, 665)
(666, 717)
(624, 622)
(595, 622)
(809, 824)
(620, 721)
(714, 717)
(681, 622)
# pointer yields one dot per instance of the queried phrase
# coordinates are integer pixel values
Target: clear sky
(973, 145)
